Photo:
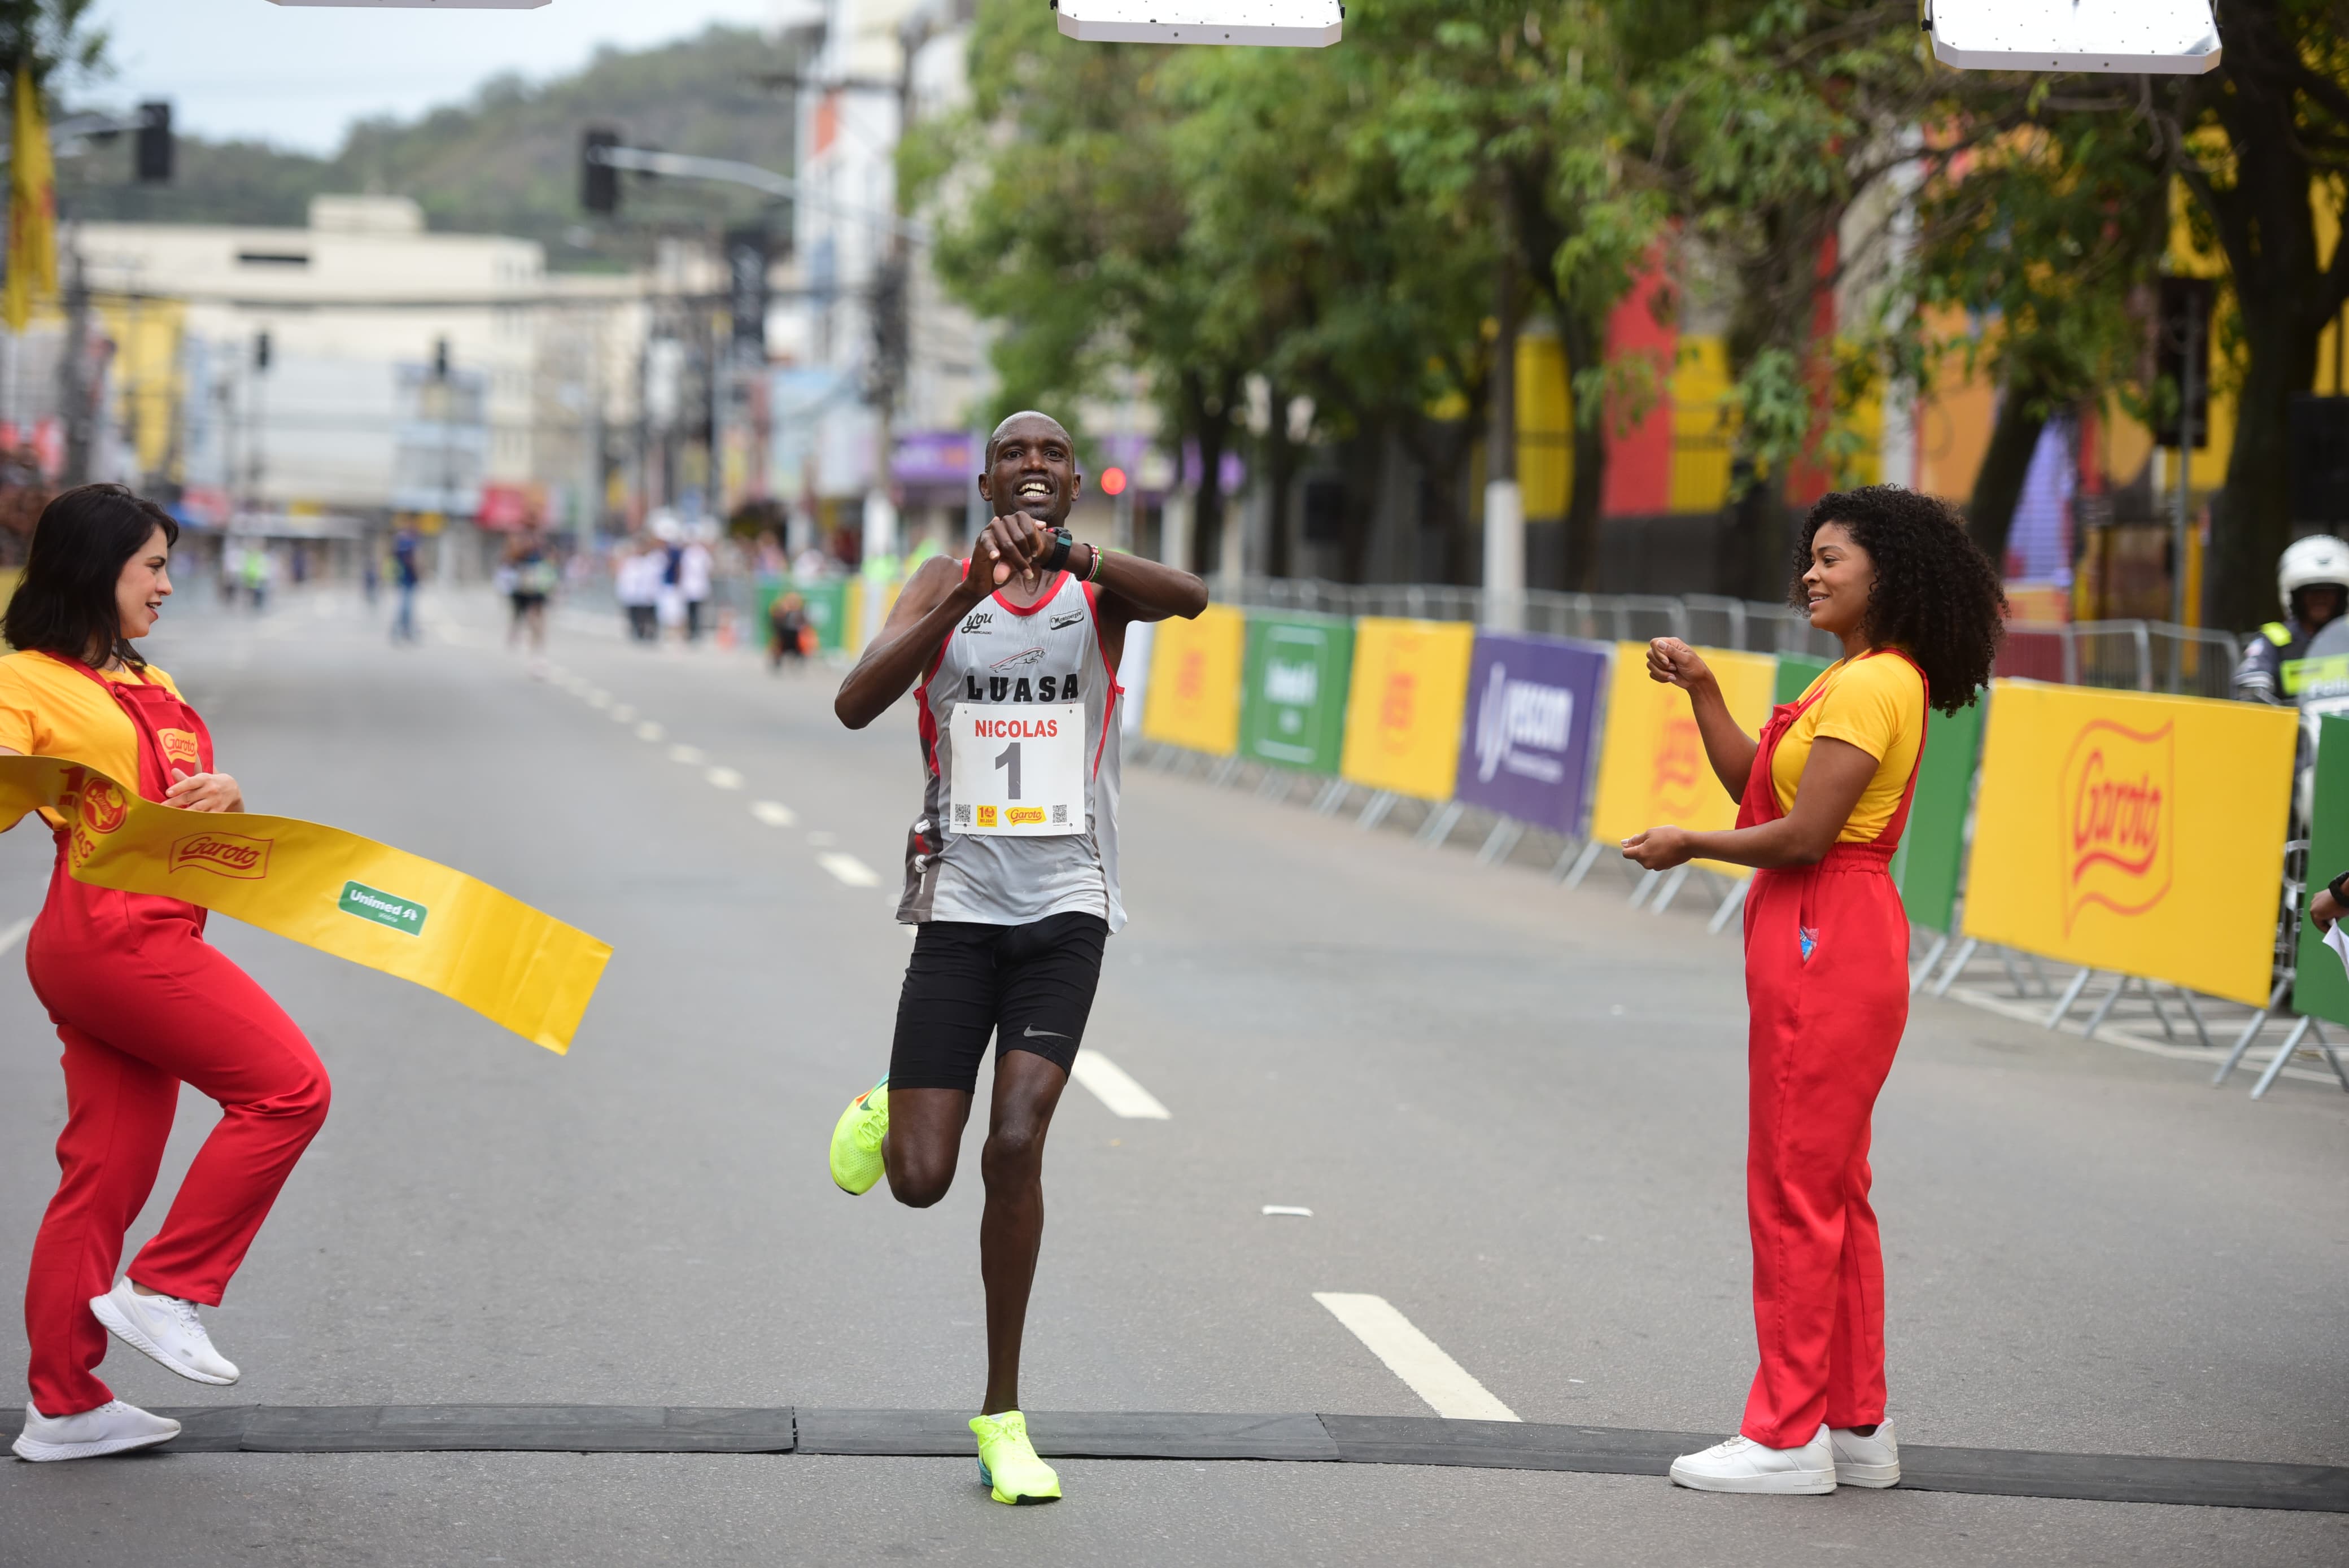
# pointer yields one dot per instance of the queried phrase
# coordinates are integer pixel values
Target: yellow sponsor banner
(1403, 709)
(331, 890)
(2138, 833)
(1192, 697)
(1651, 763)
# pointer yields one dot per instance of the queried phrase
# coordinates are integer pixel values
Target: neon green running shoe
(1007, 1465)
(857, 1140)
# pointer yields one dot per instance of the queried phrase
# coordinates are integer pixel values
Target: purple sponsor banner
(1524, 745)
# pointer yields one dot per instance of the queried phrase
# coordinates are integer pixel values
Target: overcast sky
(296, 76)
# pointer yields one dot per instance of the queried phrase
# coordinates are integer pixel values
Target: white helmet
(2318, 560)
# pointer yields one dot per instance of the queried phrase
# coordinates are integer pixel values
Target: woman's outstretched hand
(1658, 849)
(1673, 662)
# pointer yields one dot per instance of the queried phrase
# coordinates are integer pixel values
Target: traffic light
(261, 351)
(152, 156)
(440, 359)
(599, 182)
(2181, 355)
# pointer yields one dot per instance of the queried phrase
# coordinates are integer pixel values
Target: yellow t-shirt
(48, 709)
(1876, 702)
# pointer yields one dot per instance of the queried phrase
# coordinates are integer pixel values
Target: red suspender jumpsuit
(144, 1004)
(1827, 984)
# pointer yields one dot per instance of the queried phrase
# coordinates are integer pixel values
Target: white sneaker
(113, 1428)
(164, 1328)
(1871, 1461)
(1741, 1464)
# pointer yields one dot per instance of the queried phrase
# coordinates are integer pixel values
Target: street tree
(2262, 143)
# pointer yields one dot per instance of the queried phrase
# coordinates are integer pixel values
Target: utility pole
(74, 391)
(1505, 505)
(892, 327)
(2190, 388)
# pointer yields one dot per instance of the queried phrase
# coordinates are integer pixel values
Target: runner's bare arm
(1834, 778)
(1134, 588)
(1729, 748)
(938, 596)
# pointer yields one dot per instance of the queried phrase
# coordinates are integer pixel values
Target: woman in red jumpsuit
(142, 1002)
(1822, 794)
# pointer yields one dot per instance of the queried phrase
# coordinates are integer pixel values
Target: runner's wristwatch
(1062, 543)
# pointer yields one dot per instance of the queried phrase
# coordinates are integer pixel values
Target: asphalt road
(1516, 1113)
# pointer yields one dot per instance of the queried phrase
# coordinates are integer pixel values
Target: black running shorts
(1030, 987)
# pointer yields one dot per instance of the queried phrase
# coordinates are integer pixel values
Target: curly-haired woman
(1823, 795)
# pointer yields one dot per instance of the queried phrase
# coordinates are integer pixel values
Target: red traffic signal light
(1113, 481)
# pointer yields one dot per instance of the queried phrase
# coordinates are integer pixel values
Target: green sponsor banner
(2321, 990)
(1796, 674)
(383, 908)
(1293, 690)
(827, 609)
(1931, 861)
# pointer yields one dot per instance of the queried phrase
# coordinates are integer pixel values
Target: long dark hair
(64, 603)
(1936, 596)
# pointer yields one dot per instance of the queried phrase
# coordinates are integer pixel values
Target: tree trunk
(2250, 520)
(1998, 485)
(1582, 345)
(1280, 468)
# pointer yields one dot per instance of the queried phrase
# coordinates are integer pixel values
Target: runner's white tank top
(1005, 657)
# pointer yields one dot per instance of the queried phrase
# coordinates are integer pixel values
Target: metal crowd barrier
(2125, 655)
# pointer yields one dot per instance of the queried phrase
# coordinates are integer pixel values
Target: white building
(827, 430)
(399, 369)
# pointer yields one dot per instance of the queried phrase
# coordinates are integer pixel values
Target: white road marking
(648, 730)
(723, 779)
(1285, 1209)
(11, 936)
(1415, 1358)
(849, 869)
(624, 713)
(774, 813)
(1116, 1088)
(599, 698)
(691, 756)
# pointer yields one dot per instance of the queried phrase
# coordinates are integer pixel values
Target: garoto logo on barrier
(2134, 833)
(1524, 748)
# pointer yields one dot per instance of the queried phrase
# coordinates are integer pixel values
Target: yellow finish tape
(327, 889)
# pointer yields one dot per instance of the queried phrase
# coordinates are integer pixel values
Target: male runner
(1011, 870)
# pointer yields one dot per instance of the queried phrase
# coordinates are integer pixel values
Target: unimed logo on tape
(383, 908)
(2120, 805)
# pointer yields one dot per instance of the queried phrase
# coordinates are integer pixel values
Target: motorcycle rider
(2313, 580)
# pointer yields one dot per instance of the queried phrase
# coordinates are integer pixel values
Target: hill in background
(507, 162)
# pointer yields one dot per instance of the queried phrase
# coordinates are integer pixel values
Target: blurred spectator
(636, 582)
(404, 577)
(695, 568)
(788, 632)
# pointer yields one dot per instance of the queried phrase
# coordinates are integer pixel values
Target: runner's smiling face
(1837, 583)
(1033, 470)
(144, 584)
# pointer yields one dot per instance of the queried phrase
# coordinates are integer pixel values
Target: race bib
(1018, 769)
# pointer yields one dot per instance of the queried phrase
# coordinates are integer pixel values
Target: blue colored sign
(1525, 742)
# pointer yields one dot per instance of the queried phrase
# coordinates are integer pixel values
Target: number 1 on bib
(1018, 769)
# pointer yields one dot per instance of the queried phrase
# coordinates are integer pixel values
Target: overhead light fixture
(1277, 24)
(2157, 37)
(417, 4)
